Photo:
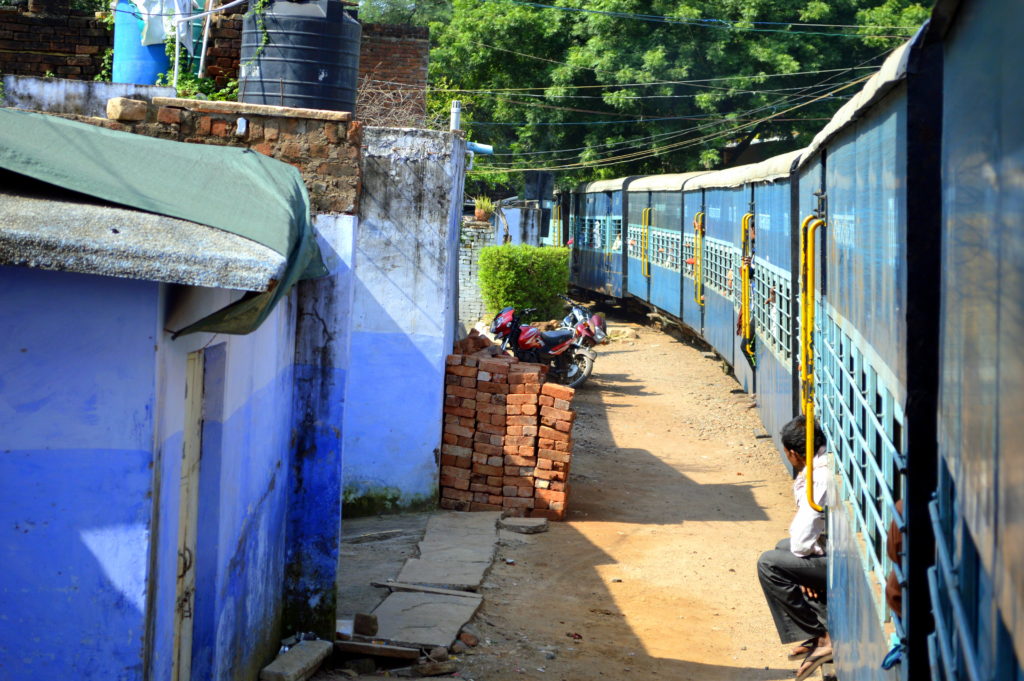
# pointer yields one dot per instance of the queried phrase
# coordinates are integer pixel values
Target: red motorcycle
(565, 351)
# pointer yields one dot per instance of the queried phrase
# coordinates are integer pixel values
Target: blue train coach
(872, 280)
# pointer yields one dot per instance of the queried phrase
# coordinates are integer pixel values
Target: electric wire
(429, 88)
(720, 24)
(722, 119)
(668, 135)
(650, 119)
(624, 158)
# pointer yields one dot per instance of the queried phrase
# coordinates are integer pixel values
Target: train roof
(769, 170)
(601, 186)
(892, 73)
(663, 183)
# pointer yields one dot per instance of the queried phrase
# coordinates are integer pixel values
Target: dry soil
(673, 497)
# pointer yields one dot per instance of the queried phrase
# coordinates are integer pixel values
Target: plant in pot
(484, 208)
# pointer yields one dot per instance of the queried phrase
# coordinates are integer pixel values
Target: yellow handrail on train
(698, 258)
(747, 326)
(607, 243)
(645, 242)
(807, 229)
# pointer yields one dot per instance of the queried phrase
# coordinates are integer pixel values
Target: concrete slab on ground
(426, 620)
(381, 546)
(456, 552)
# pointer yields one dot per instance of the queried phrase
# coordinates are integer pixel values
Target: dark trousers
(796, 616)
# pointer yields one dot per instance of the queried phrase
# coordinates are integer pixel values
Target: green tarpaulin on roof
(236, 190)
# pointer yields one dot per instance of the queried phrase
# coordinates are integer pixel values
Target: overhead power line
(666, 136)
(624, 158)
(720, 24)
(812, 90)
(430, 88)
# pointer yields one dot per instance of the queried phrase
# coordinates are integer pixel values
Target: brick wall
(323, 145)
(224, 45)
(71, 44)
(474, 236)
(507, 442)
(52, 38)
(395, 54)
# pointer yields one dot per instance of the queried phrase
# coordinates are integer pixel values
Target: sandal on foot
(812, 662)
(802, 650)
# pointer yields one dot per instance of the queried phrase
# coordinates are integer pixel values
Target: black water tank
(310, 59)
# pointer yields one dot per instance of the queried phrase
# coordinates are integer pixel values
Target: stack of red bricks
(507, 438)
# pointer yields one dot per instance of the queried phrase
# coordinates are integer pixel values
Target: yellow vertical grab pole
(808, 228)
(747, 225)
(645, 240)
(698, 258)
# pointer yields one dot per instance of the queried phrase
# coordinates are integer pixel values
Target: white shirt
(808, 524)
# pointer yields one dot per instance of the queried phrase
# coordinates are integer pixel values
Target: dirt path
(672, 500)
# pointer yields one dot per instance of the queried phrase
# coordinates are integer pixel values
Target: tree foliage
(563, 80)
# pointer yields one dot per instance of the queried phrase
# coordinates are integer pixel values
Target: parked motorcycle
(564, 351)
(581, 314)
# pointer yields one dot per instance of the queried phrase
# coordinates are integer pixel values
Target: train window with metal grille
(635, 246)
(614, 240)
(637, 205)
(864, 425)
(666, 229)
(718, 266)
(970, 640)
(771, 309)
(688, 264)
(665, 249)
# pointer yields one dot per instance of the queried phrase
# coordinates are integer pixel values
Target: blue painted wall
(243, 487)
(403, 318)
(314, 508)
(92, 402)
(76, 434)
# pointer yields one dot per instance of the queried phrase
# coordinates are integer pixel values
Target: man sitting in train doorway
(794, 574)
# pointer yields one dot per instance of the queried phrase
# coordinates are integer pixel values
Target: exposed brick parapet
(323, 145)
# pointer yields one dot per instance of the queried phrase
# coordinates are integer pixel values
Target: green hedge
(524, 276)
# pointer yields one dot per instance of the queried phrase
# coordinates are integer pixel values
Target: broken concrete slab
(298, 663)
(465, 524)
(427, 620)
(451, 549)
(464, 576)
(524, 525)
(456, 552)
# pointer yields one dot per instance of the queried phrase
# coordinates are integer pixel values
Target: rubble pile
(507, 438)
